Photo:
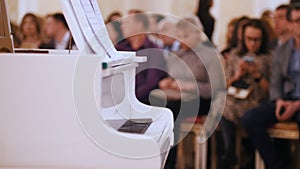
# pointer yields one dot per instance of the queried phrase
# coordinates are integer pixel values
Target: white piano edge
(167, 132)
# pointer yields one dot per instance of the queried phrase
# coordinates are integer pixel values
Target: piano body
(62, 109)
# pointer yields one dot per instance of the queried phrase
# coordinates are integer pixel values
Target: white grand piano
(62, 109)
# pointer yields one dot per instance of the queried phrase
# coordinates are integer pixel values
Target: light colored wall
(223, 10)
(13, 10)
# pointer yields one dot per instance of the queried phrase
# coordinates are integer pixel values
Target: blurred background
(222, 11)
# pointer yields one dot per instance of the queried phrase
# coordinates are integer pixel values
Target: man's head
(135, 23)
(281, 24)
(56, 23)
(167, 31)
(189, 31)
(293, 16)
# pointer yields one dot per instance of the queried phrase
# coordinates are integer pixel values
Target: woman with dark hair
(248, 68)
(31, 31)
(234, 35)
(237, 32)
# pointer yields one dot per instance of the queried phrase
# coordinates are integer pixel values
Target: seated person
(250, 66)
(58, 31)
(167, 33)
(284, 95)
(148, 74)
(31, 31)
(187, 90)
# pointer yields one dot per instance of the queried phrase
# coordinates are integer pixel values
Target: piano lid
(88, 28)
(6, 43)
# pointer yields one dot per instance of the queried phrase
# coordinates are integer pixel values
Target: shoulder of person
(282, 50)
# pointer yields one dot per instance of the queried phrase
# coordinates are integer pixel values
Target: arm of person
(261, 80)
(236, 75)
(204, 88)
(150, 83)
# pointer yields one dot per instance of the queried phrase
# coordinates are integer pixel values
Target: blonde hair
(190, 22)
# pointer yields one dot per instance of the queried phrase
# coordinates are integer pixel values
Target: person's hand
(182, 85)
(175, 85)
(165, 83)
(241, 71)
(253, 70)
(289, 108)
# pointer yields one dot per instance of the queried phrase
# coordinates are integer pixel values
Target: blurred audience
(134, 28)
(58, 31)
(230, 30)
(166, 30)
(284, 102)
(206, 18)
(281, 26)
(114, 31)
(236, 38)
(267, 18)
(188, 83)
(247, 68)
(16, 33)
(116, 15)
(31, 31)
(154, 19)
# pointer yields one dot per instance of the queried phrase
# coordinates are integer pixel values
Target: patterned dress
(235, 108)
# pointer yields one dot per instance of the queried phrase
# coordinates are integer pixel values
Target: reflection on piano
(56, 108)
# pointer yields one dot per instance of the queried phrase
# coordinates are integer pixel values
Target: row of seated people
(51, 32)
(271, 75)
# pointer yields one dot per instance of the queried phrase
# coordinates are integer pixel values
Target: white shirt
(64, 43)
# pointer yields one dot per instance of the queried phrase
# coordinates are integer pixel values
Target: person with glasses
(284, 96)
(250, 66)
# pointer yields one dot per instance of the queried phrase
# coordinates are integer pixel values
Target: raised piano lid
(6, 43)
(88, 28)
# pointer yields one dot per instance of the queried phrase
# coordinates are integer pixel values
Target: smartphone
(248, 59)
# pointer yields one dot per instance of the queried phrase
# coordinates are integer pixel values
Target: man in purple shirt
(148, 74)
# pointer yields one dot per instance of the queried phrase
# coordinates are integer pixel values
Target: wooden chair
(197, 155)
(282, 130)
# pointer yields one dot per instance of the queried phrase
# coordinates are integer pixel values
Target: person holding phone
(248, 66)
(284, 96)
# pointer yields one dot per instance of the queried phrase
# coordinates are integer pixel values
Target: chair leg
(238, 148)
(180, 155)
(200, 154)
(197, 153)
(213, 154)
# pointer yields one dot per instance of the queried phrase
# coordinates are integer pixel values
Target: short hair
(110, 16)
(292, 7)
(158, 17)
(167, 25)
(140, 16)
(282, 6)
(60, 18)
(191, 21)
